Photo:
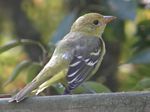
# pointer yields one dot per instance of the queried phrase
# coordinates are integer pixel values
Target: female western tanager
(76, 57)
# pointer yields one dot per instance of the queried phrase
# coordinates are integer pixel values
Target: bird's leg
(87, 88)
(67, 91)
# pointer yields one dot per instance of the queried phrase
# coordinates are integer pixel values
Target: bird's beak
(108, 19)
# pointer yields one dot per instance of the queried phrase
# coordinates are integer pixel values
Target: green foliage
(86, 87)
(15, 43)
(67, 22)
(9, 46)
(143, 84)
(33, 70)
(90, 86)
(45, 15)
(142, 57)
(33, 66)
(124, 9)
(19, 68)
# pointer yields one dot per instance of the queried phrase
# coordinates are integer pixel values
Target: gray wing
(83, 64)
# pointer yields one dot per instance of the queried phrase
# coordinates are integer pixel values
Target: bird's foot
(67, 91)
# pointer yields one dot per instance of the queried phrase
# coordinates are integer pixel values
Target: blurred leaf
(64, 27)
(115, 32)
(16, 43)
(143, 34)
(33, 71)
(21, 66)
(143, 84)
(59, 88)
(124, 9)
(8, 46)
(94, 86)
(143, 57)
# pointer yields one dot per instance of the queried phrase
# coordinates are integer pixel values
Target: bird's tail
(24, 92)
(43, 76)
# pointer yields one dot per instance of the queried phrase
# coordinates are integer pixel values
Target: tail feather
(37, 81)
(45, 74)
(24, 92)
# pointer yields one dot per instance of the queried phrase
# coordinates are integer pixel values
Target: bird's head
(91, 24)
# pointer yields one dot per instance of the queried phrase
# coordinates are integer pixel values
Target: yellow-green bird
(76, 57)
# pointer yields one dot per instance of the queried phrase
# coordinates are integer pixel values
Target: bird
(75, 59)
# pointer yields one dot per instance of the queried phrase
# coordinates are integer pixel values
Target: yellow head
(91, 24)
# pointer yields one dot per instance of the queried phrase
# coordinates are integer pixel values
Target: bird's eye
(95, 22)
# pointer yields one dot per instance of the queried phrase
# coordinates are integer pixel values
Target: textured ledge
(104, 102)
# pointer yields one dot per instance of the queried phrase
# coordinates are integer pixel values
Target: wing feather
(81, 66)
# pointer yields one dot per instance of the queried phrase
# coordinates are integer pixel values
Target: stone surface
(104, 102)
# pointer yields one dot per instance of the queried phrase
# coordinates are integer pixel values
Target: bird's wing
(82, 65)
